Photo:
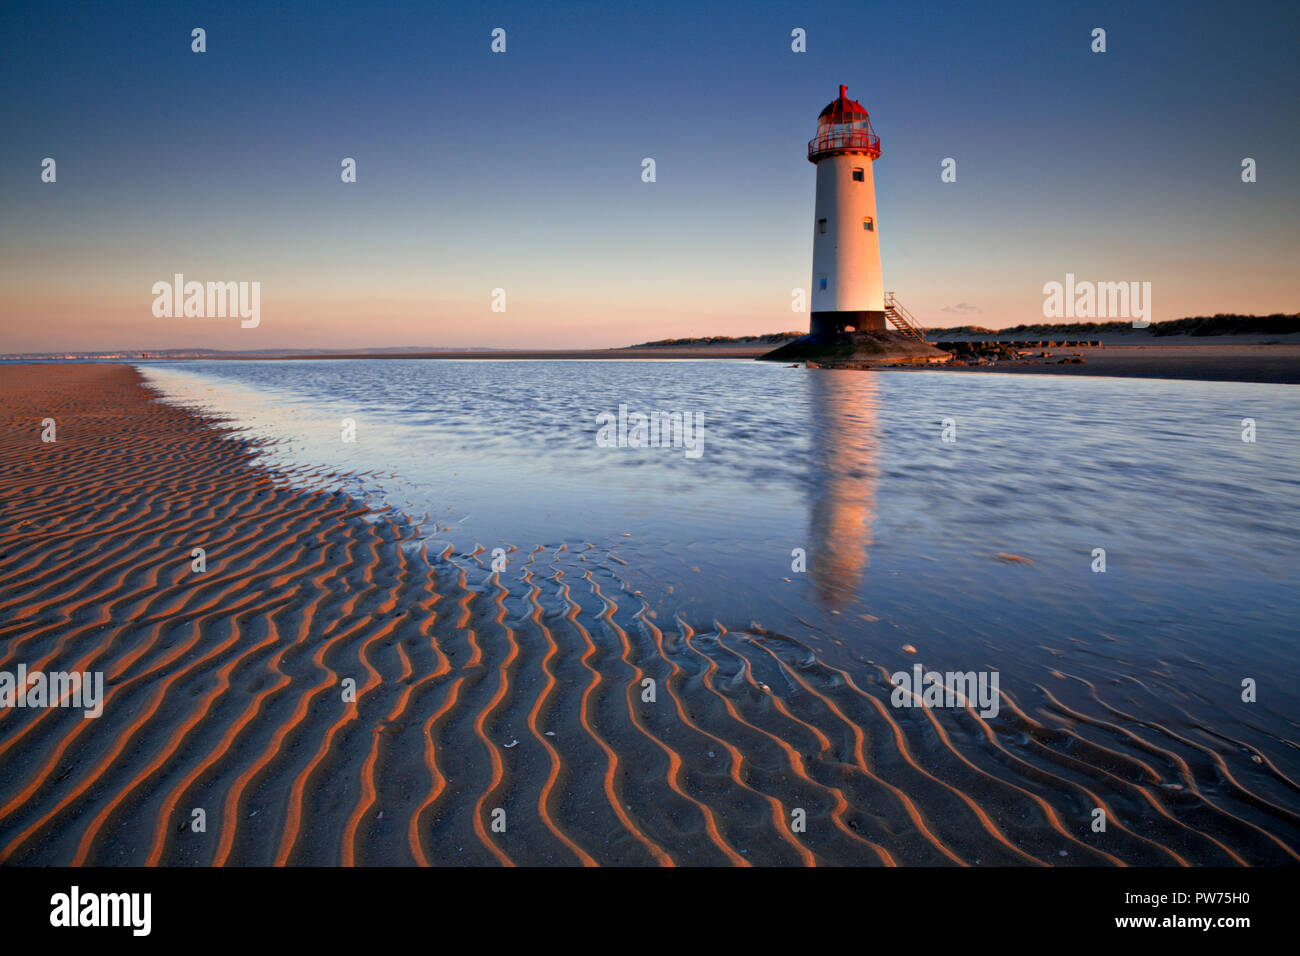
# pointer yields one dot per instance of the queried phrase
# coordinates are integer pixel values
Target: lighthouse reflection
(842, 482)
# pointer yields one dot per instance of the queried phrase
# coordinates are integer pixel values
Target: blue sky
(522, 170)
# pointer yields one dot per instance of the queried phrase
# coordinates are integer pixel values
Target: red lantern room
(843, 127)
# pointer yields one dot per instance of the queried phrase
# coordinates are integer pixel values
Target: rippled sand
(478, 693)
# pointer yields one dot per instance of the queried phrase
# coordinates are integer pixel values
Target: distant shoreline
(1169, 357)
(713, 347)
(1195, 360)
(627, 354)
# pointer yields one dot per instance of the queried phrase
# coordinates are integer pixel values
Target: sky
(522, 170)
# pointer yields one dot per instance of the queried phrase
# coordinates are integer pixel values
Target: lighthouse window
(869, 224)
(858, 176)
(821, 225)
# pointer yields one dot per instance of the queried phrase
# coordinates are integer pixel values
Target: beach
(1188, 361)
(1226, 359)
(339, 685)
(100, 528)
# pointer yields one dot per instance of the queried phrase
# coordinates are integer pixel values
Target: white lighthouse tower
(848, 290)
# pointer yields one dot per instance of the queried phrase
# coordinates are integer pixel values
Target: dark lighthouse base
(833, 323)
(857, 349)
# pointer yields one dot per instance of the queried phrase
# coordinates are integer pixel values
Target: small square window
(869, 224)
(821, 225)
(821, 283)
(859, 176)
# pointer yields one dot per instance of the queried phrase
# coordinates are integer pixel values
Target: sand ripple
(481, 697)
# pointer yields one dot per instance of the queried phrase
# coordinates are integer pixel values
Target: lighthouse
(847, 290)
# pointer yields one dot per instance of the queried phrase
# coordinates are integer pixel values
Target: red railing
(828, 141)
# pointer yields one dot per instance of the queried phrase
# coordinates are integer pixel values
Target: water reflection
(843, 486)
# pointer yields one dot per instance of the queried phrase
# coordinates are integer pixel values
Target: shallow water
(977, 552)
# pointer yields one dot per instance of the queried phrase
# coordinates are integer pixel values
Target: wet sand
(473, 705)
(1208, 363)
(1183, 357)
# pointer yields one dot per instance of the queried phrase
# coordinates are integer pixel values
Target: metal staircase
(903, 320)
